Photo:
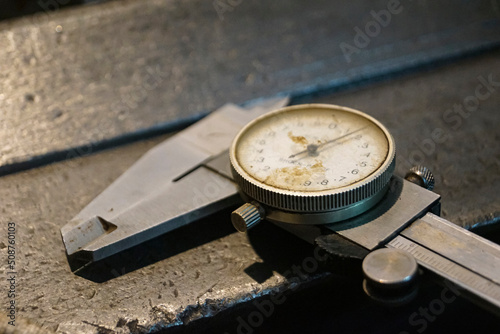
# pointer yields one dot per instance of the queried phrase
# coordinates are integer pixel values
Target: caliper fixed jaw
(179, 181)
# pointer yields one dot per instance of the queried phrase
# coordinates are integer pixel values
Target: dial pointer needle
(314, 148)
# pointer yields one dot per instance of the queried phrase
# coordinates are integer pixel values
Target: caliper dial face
(312, 150)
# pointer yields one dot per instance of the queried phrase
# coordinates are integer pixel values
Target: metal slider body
(407, 219)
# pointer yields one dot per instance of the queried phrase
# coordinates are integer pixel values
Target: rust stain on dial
(295, 177)
(297, 139)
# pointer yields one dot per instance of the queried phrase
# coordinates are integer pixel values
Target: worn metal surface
(130, 65)
(204, 269)
(73, 80)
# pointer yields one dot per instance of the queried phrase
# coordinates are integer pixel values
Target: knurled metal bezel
(320, 201)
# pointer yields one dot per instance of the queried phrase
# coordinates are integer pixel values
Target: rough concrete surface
(72, 77)
(206, 268)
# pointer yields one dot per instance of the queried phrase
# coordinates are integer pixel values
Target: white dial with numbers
(314, 150)
(318, 152)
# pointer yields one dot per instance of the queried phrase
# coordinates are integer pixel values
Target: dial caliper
(312, 164)
(321, 172)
